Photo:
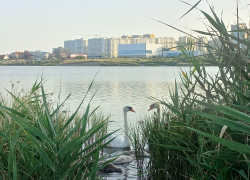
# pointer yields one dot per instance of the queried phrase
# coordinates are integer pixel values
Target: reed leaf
(194, 6)
(27, 127)
(49, 120)
(40, 151)
(241, 148)
(15, 177)
(230, 123)
(174, 147)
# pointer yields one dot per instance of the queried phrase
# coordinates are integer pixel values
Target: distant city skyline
(43, 25)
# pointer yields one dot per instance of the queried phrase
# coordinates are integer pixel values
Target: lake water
(115, 87)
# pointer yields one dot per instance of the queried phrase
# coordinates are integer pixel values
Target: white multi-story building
(77, 46)
(124, 40)
(193, 44)
(167, 42)
(136, 40)
(109, 47)
(121, 40)
(215, 43)
(98, 47)
(113, 47)
(188, 41)
(201, 44)
(170, 42)
(149, 40)
(70, 45)
(242, 35)
(39, 55)
(81, 46)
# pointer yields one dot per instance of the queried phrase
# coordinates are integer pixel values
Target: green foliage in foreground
(37, 142)
(206, 132)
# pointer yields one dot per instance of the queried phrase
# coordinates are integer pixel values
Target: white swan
(158, 115)
(158, 107)
(119, 141)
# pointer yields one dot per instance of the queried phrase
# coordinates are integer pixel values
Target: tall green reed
(206, 135)
(37, 141)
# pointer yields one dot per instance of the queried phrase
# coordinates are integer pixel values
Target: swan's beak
(150, 109)
(132, 110)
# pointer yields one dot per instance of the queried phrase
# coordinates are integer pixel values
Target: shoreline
(103, 62)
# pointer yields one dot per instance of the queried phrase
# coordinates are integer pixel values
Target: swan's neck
(126, 139)
(158, 113)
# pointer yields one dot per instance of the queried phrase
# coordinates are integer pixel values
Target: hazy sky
(45, 24)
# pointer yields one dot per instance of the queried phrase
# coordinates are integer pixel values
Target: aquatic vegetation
(205, 135)
(39, 141)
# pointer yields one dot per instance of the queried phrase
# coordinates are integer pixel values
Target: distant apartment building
(183, 40)
(78, 46)
(241, 35)
(201, 44)
(22, 55)
(17, 55)
(214, 43)
(108, 47)
(125, 40)
(70, 46)
(149, 40)
(135, 40)
(52, 56)
(167, 42)
(113, 47)
(60, 50)
(81, 46)
(28, 56)
(98, 47)
(39, 55)
(188, 42)
(193, 44)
